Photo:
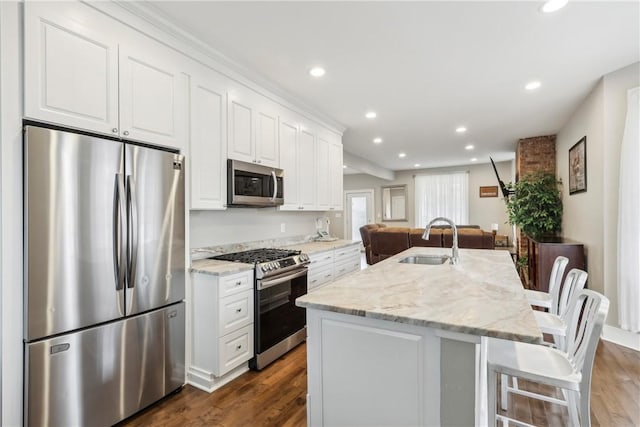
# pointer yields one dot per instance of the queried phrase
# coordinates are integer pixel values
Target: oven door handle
(264, 284)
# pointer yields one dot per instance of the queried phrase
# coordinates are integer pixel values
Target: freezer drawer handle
(173, 314)
(59, 348)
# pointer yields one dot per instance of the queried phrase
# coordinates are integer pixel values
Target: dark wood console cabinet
(542, 254)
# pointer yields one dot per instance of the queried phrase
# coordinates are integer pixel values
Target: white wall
(11, 213)
(237, 225)
(591, 217)
(482, 211)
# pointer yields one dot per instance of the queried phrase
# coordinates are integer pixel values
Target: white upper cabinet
(308, 167)
(336, 174)
(297, 159)
(152, 95)
(288, 132)
(86, 71)
(324, 177)
(71, 67)
(208, 148)
(311, 158)
(253, 128)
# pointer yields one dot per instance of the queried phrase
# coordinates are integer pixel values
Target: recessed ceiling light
(469, 147)
(317, 71)
(402, 155)
(532, 85)
(371, 115)
(377, 140)
(553, 5)
(417, 165)
(344, 166)
(474, 159)
(461, 129)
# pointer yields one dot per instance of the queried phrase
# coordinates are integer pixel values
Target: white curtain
(629, 218)
(442, 195)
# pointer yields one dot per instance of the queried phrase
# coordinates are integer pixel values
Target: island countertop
(482, 295)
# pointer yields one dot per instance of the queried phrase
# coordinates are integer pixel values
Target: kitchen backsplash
(242, 227)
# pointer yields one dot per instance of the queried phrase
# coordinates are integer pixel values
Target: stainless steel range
(280, 278)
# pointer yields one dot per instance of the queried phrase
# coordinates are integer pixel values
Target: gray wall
(591, 217)
(482, 211)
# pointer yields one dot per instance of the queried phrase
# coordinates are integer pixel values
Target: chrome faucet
(454, 248)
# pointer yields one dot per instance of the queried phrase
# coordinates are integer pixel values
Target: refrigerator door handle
(119, 228)
(133, 230)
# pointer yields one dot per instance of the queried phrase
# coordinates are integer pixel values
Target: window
(444, 195)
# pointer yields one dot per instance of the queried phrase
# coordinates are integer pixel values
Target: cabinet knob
(328, 275)
(239, 347)
(114, 130)
(259, 161)
(238, 310)
(125, 133)
(238, 283)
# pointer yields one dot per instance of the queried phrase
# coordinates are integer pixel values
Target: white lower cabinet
(222, 327)
(328, 266)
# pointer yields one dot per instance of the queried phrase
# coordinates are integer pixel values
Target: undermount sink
(425, 259)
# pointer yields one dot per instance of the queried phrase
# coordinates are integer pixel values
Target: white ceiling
(425, 67)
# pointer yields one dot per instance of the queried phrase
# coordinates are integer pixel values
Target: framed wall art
(578, 167)
(489, 191)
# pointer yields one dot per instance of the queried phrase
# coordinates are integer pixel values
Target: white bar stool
(544, 299)
(570, 371)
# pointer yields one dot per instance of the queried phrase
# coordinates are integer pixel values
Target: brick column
(534, 154)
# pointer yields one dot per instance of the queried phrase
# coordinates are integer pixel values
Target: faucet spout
(454, 247)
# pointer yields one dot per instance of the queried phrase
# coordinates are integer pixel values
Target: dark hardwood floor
(276, 397)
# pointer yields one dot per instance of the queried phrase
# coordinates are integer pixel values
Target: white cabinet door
(241, 119)
(288, 133)
(323, 181)
(335, 160)
(152, 93)
(208, 148)
(307, 169)
(267, 146)
(71, 66)
(253, 128)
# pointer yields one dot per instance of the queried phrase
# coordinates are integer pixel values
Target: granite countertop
(216, 267)
(313, 246)
(221, 268)
(482, 295)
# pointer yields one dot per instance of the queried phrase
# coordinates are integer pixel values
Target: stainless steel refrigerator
(104, 277)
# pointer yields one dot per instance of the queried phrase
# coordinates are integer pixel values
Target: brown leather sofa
(388, 241)
(365, 231)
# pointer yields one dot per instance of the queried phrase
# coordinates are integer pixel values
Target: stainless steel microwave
(253, 185)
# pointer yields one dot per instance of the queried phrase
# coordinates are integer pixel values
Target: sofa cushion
(435, 238)
(468, 238)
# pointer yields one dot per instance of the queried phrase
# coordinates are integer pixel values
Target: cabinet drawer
(344, 253)
(318, 277)
(235, 283)
(235, 349)
(235, 312)
(320, 259)
(342, 268)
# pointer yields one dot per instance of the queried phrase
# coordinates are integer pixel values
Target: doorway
(358, 212)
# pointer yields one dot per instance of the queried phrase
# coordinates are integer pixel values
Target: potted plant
(536, 205)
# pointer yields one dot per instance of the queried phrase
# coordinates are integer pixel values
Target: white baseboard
(208, 382)
(621, 337)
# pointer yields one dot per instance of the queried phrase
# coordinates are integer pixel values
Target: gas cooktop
(256, 256)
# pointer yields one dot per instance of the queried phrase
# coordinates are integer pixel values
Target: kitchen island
(402, 344)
